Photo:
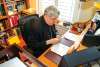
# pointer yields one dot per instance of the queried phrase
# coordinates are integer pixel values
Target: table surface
(49, 63)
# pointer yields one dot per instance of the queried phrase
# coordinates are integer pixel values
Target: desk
(14, 51)
(49, 63)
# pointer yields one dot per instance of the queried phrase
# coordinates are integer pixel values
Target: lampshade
(97, 4)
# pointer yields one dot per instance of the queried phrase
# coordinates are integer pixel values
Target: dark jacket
(90, 39)
(36, 33)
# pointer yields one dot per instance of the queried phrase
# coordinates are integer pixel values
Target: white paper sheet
(60, 49)
(71, 36)
(68, 40)
(15, 62)
(97, 32)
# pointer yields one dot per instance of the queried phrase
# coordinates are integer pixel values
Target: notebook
(53, 57)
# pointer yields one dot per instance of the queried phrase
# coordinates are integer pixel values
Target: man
(43, 34)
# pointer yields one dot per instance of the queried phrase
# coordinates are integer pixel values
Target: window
(66, 8)
(42, 4)
(70, 10)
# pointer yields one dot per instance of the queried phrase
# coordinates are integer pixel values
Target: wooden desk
(14, 51)
(49, 63)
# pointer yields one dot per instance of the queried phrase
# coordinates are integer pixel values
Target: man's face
(51, 20)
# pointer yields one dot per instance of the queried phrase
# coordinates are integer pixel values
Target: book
(20, 6)
(53, 57)
(0, 10)
(7, 0)
(10, 7)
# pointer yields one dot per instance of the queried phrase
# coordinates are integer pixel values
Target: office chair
(27, 24)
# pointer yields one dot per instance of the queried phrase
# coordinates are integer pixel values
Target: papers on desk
(60, 49)
(71, 36)
(66, 41)
(15, 62)
(97, 32)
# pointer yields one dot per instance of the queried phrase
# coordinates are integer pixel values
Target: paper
(67, 40)
(60, 49)
(71, 36)
(15, 62)
(97, 32)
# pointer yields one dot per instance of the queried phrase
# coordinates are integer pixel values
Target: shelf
(13, 14)
(29, 11)
(10, 8)
(1, 3)
(17, 0)
(8, 29)
(4, 17)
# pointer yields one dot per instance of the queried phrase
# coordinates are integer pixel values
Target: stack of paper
(67, 40)
(71, 36)
(60, 49)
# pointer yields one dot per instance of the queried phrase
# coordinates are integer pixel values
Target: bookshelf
(9, 15)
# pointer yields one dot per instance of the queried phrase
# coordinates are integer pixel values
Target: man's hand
(70, 50)
(73, 48)
(52, 41)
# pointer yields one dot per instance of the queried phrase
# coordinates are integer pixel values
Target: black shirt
(38, 36)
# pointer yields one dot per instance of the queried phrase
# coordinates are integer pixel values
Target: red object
(23, 57)
(14, 20)
(74, 29)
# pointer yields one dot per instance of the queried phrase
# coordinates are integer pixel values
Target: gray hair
(51, 11)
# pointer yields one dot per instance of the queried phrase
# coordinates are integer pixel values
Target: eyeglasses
(54, 19)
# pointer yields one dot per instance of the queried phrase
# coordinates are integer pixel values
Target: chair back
(27, 25)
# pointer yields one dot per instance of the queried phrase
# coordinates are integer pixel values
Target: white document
(68, 39)
(60, 49)
(97, 32)
(71, 36)
(15, 62)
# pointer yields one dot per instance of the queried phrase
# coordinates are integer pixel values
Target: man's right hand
(52, 41)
